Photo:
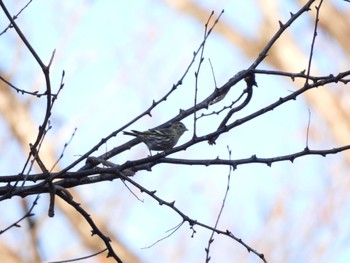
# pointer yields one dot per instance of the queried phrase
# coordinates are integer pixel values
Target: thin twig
(28, 214)
(318, 8)
(80, 258)
(211, 238)
(308, 129)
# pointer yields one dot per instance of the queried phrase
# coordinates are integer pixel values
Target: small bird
(160, 139)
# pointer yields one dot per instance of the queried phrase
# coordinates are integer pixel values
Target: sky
(119, 56)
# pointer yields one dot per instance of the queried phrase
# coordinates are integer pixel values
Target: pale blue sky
(118, 56)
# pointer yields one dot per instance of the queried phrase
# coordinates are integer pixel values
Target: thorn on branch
(248, 248)
(193, 231)
(52, 56)
(250, 80)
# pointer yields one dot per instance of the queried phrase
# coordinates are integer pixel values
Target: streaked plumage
(160, 139)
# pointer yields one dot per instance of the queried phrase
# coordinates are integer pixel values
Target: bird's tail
(132, 133)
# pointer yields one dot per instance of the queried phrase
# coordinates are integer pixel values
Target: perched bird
(160, 139)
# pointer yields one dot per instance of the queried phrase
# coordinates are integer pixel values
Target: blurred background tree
(118, 58)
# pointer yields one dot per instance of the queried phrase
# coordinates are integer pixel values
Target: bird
(160, 139)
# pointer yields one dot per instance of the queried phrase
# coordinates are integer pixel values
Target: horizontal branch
(255, 159)
(97, 174)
